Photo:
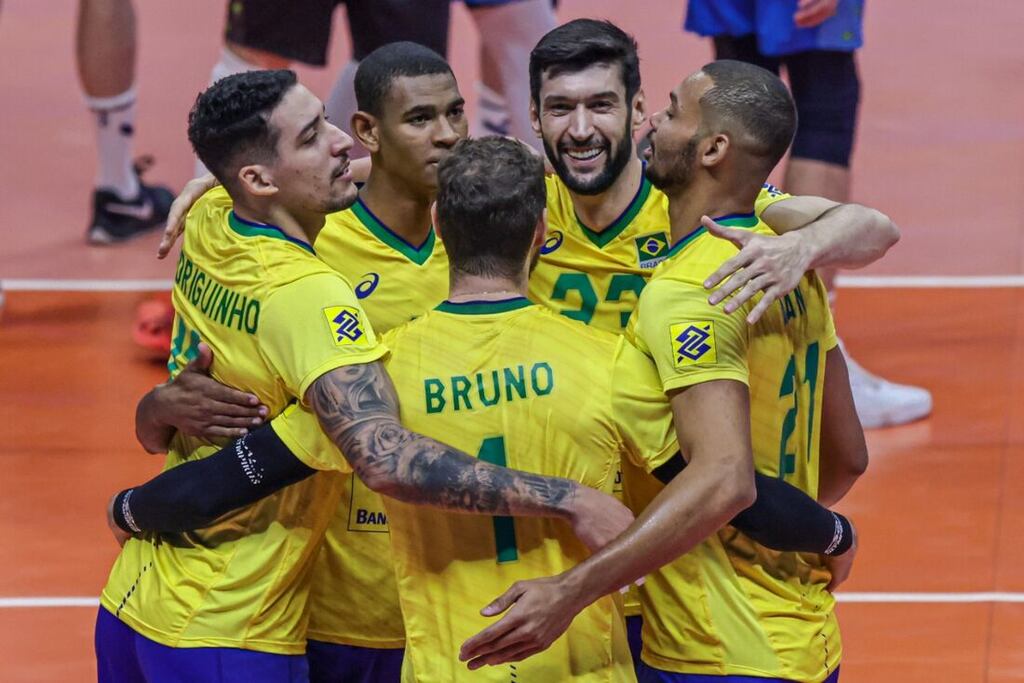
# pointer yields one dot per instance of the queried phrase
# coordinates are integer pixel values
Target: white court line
(876, 598)
(85, 285)
(852, 281)
(929, 281)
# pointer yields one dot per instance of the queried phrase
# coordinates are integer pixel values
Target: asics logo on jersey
(694, 343)
(368, 284)
(554, 241)
(345, 325)
(142, 212)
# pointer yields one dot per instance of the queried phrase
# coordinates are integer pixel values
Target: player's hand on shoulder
(538, 612)
(190, 194)
(198, 405)
(770, 264)
(841, 565)
(598, 518)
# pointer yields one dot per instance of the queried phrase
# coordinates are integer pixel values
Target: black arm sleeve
(783, 517)
(196, 493)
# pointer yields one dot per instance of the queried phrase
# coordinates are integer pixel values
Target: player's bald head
(379, 70)
(751, 104)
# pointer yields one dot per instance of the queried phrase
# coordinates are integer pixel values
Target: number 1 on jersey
(492, 450)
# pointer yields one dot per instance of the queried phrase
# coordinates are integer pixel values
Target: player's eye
(601, 105)
(457, 112)
(559, 109)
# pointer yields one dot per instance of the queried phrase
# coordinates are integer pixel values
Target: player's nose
(341, 143)
(580, 125)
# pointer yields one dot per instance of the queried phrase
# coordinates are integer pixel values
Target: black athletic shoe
(115, 220)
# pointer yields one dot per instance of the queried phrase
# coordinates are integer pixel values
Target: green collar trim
(484, 307)
(622, 222)
(250, 229)
(733, 220)
(417, 255)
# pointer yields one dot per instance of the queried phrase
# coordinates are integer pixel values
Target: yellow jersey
(731, 606)
(354, 599)
(519, 386)
(597, 277)
(277, 319)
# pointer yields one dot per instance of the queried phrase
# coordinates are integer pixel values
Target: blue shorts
(826, 89)
(634, 629)
(648, 674)
(772, 22)
(331, 663)
(124, 656)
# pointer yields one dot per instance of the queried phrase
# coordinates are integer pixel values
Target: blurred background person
(123, 206)
(816, 42)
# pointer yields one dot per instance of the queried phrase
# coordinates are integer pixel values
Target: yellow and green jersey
(597, 277)
(354, 600)
(276, 319)
(731, 606)
(519, 386)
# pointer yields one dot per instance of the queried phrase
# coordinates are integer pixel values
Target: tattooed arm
(358, 409)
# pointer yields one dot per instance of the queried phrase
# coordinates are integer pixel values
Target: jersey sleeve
(641, 410)
(312, 326)
(768, 195)
(690, 340)
(299, 429)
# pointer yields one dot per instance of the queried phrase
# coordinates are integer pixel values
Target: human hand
(193, 190)
(770, 264)
(810, 13)
(842, 565)
(538, 612)
(198, 405)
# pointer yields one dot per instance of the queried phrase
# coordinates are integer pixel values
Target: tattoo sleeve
(358, 409)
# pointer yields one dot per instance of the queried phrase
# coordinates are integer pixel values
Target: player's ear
(364, 129)
(639, 105)
(540, 231)
(256, 179)
(713, 149)
(433, 221)
(534, 117)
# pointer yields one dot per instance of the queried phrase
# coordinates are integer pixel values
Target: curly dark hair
(229, 125)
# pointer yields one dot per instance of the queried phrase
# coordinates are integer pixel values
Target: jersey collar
(417, 255)
(484, 307)
(600, 239)
(732, 220)
(250, 229)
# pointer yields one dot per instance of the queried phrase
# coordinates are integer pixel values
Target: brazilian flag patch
(651, 249)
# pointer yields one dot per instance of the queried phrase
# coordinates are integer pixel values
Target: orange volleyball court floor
(938, 590)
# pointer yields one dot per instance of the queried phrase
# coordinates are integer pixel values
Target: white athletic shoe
(881, 403)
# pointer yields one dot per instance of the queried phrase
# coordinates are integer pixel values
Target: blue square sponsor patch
(345, 325)
(694, 343)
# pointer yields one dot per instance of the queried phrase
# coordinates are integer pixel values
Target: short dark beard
(609, 174)
(680, 174)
